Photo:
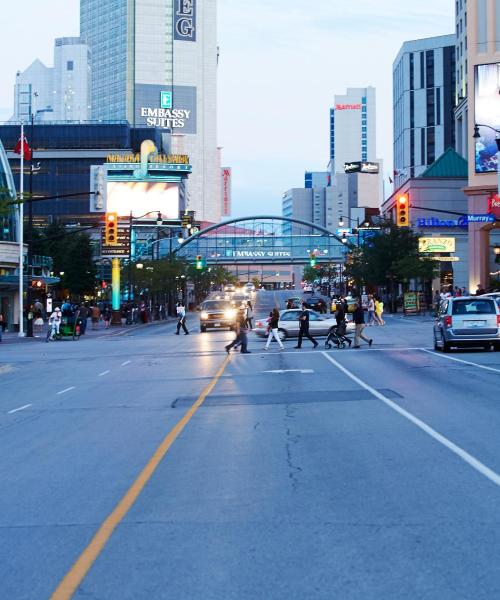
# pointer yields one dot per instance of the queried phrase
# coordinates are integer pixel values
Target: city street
(303, 474)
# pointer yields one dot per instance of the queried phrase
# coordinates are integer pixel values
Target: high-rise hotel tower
(154, 64)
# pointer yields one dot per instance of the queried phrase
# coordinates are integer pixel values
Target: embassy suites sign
(173, 109)
(166, 118)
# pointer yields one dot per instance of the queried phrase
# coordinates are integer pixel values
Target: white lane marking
(6, 369)
(103, 373)
(460, 452)
(465, 362)
(20, 408)
(127, 362)
(291, 371)
(300, 352)
(66, 390)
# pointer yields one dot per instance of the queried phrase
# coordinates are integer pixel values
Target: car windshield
(214, 305)
(473, 307)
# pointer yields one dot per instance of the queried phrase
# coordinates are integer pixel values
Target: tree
(205, 278)
(71, 254)
(388, 259)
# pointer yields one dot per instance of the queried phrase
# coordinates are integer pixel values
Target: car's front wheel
(203, 329)
(282, 334)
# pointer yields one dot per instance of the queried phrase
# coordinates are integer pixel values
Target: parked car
(308, 288)
(294, 302)
(316, 303)
(217, 314)
(288, 325)
(467, 321)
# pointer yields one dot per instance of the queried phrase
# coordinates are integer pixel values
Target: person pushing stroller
(338, 335)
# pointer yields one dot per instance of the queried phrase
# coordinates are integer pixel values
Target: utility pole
(29, 295)
(21, 236)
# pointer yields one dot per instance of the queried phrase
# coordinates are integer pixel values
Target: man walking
(371, 311)
(359, 321)
(241, 335)
(304, 328)
(181, 318)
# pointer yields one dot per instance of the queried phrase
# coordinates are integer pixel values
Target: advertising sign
(142, 197)
(487, 112)
(494, 206)
(410, 303)
(173, 109)
(226, 191)
(122, 248)
(361, 167)
(185, 20)
(436, 244)
(348, 107)
(260, 253)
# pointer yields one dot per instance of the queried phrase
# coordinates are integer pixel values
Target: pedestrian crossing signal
(111, 232)
(402, 211)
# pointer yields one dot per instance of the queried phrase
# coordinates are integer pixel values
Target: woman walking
(274, 318)
(379, 311)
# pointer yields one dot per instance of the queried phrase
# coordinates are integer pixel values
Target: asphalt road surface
(151, 466)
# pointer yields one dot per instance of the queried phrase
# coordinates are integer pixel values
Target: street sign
(122, 247)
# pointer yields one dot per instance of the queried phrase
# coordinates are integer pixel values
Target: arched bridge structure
(263, 239)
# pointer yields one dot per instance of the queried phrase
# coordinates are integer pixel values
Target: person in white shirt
(181, 319)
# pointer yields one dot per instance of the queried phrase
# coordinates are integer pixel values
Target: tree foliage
(71, 255)
(392, 256)
(206, 278)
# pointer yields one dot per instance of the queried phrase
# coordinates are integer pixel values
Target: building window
(438, 106)
(69, 65)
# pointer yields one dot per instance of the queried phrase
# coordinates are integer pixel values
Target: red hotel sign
(494, 206)
(226, 191)
(348, 107)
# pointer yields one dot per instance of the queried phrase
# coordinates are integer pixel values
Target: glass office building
(64, 154)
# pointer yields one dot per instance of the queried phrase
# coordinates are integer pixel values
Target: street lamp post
(477, 135)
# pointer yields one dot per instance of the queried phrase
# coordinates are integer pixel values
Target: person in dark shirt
(359, 321)
(241, 335)
(304, 328)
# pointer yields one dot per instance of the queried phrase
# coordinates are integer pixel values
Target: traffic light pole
(29, 296)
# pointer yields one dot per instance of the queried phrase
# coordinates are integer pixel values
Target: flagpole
(21, 236)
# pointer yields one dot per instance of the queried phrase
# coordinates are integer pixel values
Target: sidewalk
(12, 337)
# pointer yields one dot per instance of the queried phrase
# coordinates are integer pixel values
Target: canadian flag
(22, 147)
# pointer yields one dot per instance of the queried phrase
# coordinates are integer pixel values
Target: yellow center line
(68, 586)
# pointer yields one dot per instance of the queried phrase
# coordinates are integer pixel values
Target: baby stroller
(338, 336)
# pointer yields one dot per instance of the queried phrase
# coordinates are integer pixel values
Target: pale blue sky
(281, 63)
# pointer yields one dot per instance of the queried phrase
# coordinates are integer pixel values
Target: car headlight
(204, 315)
(230, 313)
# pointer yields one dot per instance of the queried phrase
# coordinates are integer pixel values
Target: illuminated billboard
(143, 197)
(436, 244)
(487, 112)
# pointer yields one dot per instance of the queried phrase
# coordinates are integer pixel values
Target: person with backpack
(273, 321)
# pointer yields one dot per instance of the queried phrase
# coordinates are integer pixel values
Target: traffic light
(111, 233)
(312, 261)
(403, 211)
(199, 262)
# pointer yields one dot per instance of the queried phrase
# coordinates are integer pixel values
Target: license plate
(475, 323)
(216, 324)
